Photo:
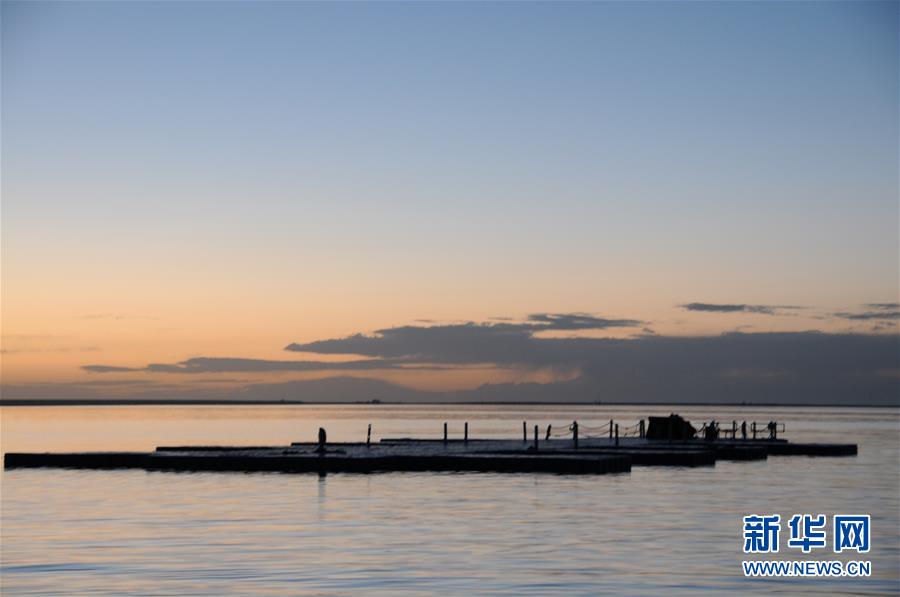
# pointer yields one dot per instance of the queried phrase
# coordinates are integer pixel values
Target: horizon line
(379, 402)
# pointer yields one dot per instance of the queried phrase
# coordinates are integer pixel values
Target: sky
(587, 201)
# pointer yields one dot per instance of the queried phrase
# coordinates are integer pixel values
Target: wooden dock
(562, 456)
(339, 458)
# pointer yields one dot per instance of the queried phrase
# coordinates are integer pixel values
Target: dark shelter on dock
(671, 427)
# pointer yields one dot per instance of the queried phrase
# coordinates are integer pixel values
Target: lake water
(673, 531)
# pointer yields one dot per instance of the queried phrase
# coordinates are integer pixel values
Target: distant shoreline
(188, 402)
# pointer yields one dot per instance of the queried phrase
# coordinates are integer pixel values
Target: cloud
(739, 308)
(785, 367)
(715, 308)
(576, 321)
(109, 369)
(790, 367)
(117, 382)
(882, 314)
(434, 347)
(885, 306)
(468, 343)
(240, 365)
(735, 368)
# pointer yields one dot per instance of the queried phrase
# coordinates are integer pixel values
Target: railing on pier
(607, 430)
(748, 430)
(713, 430)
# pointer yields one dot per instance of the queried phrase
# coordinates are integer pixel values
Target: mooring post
(445, 432)
(753, 427)
(323, 437)
(466, 432)
(617, 434)
(575, 433)
(774, 429)
(535, 437)
(369, 435)
(524, 432)
(610, 428)
(548, 432)
(641, 426)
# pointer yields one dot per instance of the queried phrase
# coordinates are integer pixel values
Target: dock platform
(562, 456)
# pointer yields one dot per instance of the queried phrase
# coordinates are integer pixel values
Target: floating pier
(587, 454)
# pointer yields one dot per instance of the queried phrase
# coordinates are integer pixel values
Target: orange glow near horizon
(48, 341)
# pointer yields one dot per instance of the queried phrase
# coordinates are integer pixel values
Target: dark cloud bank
(784, 368)
(789, 368)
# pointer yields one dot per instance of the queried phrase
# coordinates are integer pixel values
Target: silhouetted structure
(671, 427)
(322, 439)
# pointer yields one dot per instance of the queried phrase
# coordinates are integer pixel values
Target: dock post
(617, 434)
(575, 433)
(734, 430)
(610, 428)
(535, 437)
(323, 437)
(369, 435)
(548, 432)
(774, 429)
(524, 432)
(753, 426)
(641, 426)
(466, 432)
(445, 432)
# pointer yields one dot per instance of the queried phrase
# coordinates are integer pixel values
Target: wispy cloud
(240, 365)
(110, 369)
(740, 308)
(872, 311)
(575, 321)
(868, 315)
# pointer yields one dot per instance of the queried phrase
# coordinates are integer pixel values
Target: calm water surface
(655, 530)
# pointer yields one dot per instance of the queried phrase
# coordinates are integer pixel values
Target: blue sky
(776, 112)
